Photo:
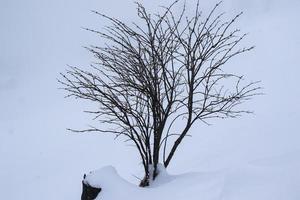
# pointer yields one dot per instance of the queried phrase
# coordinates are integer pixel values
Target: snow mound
(174, 186)
(267, 178)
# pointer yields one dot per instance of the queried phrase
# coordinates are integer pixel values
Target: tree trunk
(145, 181)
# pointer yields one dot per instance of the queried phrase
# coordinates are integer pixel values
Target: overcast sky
(39, 38)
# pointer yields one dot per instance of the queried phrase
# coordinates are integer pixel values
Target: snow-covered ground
(254, 157)
(276, 178)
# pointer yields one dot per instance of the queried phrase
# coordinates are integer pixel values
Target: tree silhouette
(163, 71)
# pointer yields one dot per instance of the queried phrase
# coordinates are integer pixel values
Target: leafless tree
(163, 71)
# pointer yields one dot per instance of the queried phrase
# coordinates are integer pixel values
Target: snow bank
(186, 186)
(269, 178)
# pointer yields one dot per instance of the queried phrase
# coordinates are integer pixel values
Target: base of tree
(144, 182)
(89, 192)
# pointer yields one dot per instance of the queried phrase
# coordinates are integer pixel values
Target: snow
(251, 158)
(267, 178)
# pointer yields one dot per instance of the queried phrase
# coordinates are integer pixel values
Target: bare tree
(166, 70)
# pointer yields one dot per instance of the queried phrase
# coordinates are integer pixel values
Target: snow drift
(263, 179)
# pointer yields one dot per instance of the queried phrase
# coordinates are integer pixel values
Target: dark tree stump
(89, 192)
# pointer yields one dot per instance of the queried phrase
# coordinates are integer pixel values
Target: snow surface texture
(253, 157)
(264, 179)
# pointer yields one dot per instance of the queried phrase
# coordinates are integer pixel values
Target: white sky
(39, 38)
